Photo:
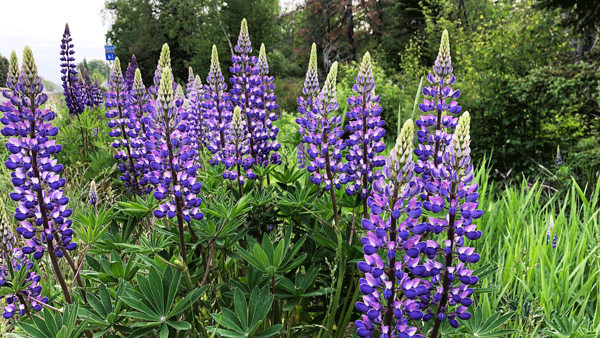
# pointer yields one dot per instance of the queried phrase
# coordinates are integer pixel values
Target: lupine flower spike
(93, 197)
(391, 297)
(366, 135)
(163, 61)
(306, 119)
(243, 81)
(267, 145)
(171, 160)
(452, 290)
(217, 109)
(433, 142)
(69, 79)
(126, 140)
(42, 211)
(130, 73)
(559, 160)
(237, 148)
(322, 136)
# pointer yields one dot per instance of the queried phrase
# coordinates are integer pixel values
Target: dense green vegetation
(271, 258)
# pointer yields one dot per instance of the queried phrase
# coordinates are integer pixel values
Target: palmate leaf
(54, 325)
(247, 317)
(155, 305)
(479, 326)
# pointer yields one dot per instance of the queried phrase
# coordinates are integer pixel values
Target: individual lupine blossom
(391, 296)
(130, 73)
(305, 118)
(323, 135)
(70, 83)
(452, 281)
(432, 134)
(27, 298)
(42, 207)
(366, 134)
(238, 161)
(559, 160)
(264, 95)
(171, 158)
(123, 129)
(216, 105)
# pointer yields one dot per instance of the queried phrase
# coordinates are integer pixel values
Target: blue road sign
(110, 56)
(109, 48)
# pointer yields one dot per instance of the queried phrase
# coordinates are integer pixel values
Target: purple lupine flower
(70, 82)
(264, 96)
(13, 72)
(35, 173)
(244, 78)
(171, 158)
(391, 296)
(97, 92)
(432, 136)
(42, 207)
(217, 108)
(196, 121)
(93, 196)
(87, 89)
(138, 108)
(130, 73)
(452, 286)
(559, 160)
(123, 130)
(237, 162)
(29, 297)
(306, 104)
(366, 135)
(322, 135)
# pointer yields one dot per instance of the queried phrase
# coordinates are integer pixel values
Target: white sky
(41, 23)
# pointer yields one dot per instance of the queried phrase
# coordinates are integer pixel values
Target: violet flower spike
(217, 107)
(390, 296)
(432, 135)
(306, 106)
(171, 159)
(366, 135)
(264, 96)
(70, 83)
(323, 136)
(126, 136)
(42, 207)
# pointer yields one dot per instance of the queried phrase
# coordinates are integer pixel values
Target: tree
(190, 27)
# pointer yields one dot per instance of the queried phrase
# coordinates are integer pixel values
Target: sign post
(110, 53)
(110, 56)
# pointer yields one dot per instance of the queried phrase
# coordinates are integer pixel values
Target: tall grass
(552, 291)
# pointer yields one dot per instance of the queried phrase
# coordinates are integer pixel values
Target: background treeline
(528, 69)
